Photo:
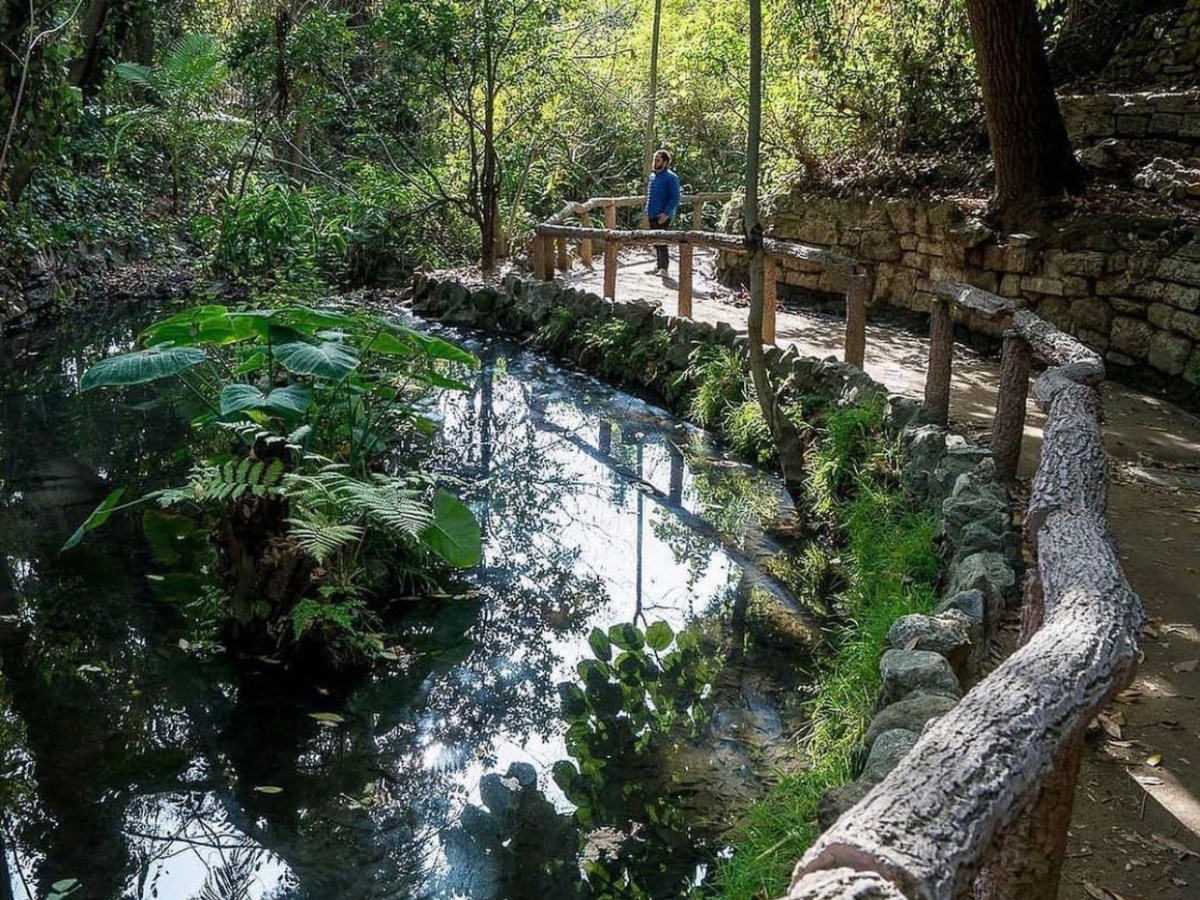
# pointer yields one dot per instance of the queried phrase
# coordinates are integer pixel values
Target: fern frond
(320, 538)
(232, 481)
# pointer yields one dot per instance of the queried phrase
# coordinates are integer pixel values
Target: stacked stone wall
(1128, 288)
(1164, 49)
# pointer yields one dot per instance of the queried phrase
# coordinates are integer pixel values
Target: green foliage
(719, 378)
(847, 438)
(181, 111)
(314, 398)
(888, 570)
(641, 694)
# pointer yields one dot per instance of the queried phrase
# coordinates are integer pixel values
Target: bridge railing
(980, 806)
(553, 238)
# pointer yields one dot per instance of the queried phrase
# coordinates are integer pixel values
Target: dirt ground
(1135, 830)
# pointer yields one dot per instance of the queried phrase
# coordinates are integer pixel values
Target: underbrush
(888, 570)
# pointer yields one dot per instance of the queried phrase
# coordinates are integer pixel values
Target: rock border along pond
(933, 659)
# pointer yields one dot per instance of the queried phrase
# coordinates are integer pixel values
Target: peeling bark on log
(928, 825)
(844, 884)
(1072, 473)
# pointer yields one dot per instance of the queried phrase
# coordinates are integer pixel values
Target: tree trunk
(1032, 153)
(87, 69)
(784, 433)
(648, 144)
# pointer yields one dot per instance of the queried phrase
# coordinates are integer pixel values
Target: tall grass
(889, 568)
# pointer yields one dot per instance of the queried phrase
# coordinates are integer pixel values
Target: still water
(140, 767)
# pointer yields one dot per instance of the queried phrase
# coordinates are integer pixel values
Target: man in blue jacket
(662, 199)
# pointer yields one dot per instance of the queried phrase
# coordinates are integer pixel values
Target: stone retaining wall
(1162, 115)
(1130, 289)
(1164, 49)
(932, 659)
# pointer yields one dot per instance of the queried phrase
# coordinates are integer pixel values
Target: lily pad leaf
(99, 516)
(331, 359)
(141, 366)
(269, 789)
(454, 533)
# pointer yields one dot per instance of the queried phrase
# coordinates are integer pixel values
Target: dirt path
(1135, 831)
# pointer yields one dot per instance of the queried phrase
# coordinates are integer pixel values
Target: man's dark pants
(661, 249)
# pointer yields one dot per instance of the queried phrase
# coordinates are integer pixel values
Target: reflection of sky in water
(573, 542)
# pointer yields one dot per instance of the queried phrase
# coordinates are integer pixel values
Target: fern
(390, 503)
(321, 538)
(231, 481)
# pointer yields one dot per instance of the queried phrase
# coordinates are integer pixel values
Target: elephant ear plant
(315, 517)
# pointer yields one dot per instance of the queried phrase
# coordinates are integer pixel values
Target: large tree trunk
(1032, 153)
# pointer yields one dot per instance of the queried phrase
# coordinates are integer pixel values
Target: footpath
(1135, 829)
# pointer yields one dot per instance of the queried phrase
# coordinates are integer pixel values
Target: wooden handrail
(986, 790)
(550, 252)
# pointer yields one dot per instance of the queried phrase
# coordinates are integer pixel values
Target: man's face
(659, 163)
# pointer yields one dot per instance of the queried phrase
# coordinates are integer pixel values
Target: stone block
(1169, 352)
(837, 800)
(1184, 271)
(908, 242)
(1039, 285)
(1160, 315)
(1119, 359)
(1010, 285)
(902, 215)
(1097, 340)
(912, 714)
(989, 573)
(881, 246)
(817, 231)
(1094, 314)
(1075, 286)
(1187, 324)
(1132, 336)
(946, 635)
(1110, 285)
(1126, 307)
(906, 672)
(1088, 263)
(886, 753)
(1055, 310)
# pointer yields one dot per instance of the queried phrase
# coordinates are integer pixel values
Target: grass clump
(888, 568)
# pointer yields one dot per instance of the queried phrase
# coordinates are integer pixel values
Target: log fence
(551, 251)
(980, 806)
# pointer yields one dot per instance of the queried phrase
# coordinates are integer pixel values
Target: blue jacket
(662, 194)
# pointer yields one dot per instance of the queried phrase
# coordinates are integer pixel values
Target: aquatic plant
(310, 520)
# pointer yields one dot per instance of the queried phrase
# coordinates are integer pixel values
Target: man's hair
(665, 155)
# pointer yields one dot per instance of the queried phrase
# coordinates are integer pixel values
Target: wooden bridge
(981, 804)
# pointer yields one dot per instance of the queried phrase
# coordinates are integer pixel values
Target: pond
(487, 758)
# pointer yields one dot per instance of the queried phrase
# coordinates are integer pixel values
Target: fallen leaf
(1189, 666)
(268, 789)
(1170, 725)
(1154, 759)
(1147, 780)
(1130, 696)
(1099, 893)
(1110, 725)
(1174, 845)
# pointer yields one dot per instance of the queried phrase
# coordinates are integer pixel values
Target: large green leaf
(291, 401)
(454, 534)
(659, 636)
(141, 366)
(431, 347)
(208, 324)
(99, 516)
(327, 360)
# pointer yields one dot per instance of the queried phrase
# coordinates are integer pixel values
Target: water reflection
(143, 769)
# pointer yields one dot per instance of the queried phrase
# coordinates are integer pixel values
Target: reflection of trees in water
(157, 758)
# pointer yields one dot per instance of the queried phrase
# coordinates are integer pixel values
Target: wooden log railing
(982, 802)
(551, 251)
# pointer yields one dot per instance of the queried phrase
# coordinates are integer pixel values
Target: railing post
(1008, 428)
(941, 357)
(539, 248)
(770, 267)
(564, 262)
(610, 216)
(547, 273)
(610, 269)
(685, 281)
(585, 246)
(1026, 859)
(857, 287)
(698, 215)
